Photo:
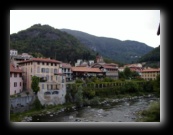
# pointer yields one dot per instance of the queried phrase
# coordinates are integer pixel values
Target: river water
(124, 111)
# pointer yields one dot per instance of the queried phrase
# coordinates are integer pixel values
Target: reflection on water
(115, 112)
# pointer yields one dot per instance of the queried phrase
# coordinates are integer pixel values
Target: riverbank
(56, 109)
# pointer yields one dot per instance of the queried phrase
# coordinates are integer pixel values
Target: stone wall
(21, 104)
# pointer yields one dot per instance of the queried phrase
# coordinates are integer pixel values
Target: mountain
(44, 40)
(122, 51)
(152, 58)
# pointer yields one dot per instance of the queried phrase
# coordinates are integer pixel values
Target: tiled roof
(15, 70)
(151, 70)
(86, 69)
(111, 64)
(109, 67)
(41, 60)
(66, 65)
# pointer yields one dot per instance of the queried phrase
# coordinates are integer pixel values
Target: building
(86, 72)
(150, 74)
(52, 80)
(66, 69)
(13, 52)
(110, 70)
(16, 81)
(45, 68)
(18, 58)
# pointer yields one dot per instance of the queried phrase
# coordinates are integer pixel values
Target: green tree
(156, 85)
(79, 97)
(127, 72)
(35, 84)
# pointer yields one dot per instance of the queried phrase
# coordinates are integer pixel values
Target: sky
(137, 25)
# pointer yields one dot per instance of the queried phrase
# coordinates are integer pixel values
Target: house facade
(46, 69)
(52, 80)
(150, 74)
(110, 70)
(66, 70)
(16, 81)
(86, 72)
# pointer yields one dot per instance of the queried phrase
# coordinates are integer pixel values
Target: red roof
(151, 70)
(41, 60)
(86, 69)
(66, 65)
(15, 70)
(109, 67)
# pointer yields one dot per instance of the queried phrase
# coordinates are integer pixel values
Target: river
(123, 111)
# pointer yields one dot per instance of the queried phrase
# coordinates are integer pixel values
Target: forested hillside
(117, 50)
(44, 40)
(152, 58)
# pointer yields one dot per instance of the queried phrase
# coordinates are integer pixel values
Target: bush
(95, 101)
(37, 104)
(152, 114)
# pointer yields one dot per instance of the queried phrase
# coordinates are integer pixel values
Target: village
(55, 75)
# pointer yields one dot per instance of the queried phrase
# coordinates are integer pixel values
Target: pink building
(16, 81)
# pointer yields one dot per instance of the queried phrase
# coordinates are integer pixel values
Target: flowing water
(125, 111)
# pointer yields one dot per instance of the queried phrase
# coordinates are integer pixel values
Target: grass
(152, 114)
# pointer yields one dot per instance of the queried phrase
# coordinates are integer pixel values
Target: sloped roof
(151, 70)
(41, 60)
(15, 70)
(86, 69)
(66, 65)
(109, 67)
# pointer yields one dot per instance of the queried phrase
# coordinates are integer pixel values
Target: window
(15, 74)
(15, 84)
(55, 70)
(47, 77)
(20, 75)
(47, 70)
(20, 83)
(31, 70)
(43, 70)
(51, 78)
(38, 63)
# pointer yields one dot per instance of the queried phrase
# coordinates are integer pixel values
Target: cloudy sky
(137, 25)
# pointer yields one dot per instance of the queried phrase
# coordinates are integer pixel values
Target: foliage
(95, 101)
(152, 58)
(113, 49)
(156, 86)
(79, 81)
(79, 97)
(152, 114)
(128, 74)
(44, 40)
(37, 104)
(88, 93)
(35, 84)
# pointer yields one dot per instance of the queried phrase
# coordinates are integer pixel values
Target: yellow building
(150, 74)
(48, 70)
